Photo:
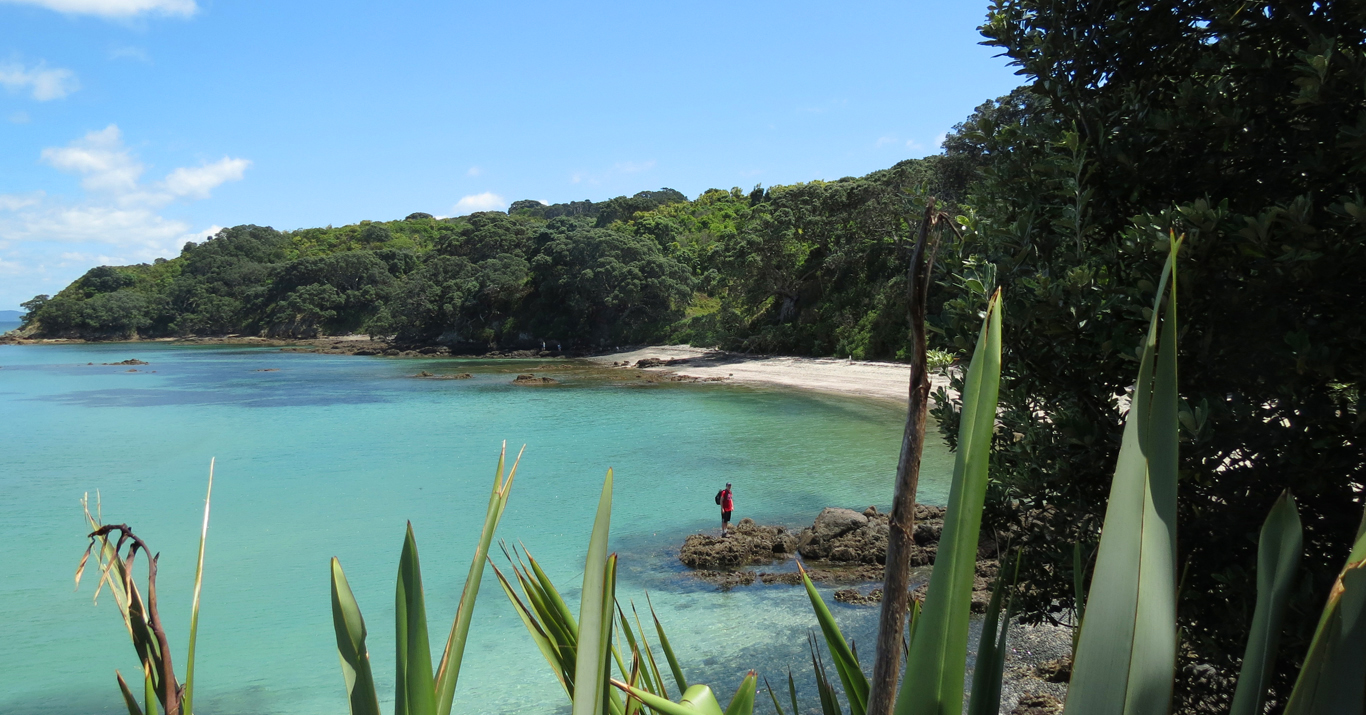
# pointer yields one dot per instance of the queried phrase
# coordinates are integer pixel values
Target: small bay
(321, 456)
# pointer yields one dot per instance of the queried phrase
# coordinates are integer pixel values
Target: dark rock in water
(845, 535)
(852, 597)
(424, 375)
(1041, 704)
(129, 361)
(267, 369)
(529, 379)
(843, 546)
(748, 543)
(726, 580)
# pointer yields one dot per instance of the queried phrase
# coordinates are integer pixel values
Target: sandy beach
(864, 378)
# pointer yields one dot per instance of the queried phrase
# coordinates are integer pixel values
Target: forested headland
(812, 268)
(1241, 126)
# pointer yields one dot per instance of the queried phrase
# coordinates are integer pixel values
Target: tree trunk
(896, 588)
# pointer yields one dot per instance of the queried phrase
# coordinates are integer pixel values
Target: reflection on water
(329, 455)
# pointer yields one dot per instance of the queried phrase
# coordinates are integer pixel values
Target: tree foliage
(1239, 125)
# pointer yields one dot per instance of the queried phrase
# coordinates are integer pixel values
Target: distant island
(806, 268)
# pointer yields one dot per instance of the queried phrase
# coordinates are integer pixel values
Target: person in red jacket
(727, 502)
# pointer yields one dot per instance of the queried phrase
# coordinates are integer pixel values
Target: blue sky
(131, 126)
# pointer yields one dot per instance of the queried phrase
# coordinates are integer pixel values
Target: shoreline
(888, 381)
(883, 381)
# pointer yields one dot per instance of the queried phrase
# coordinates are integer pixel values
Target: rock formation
(842, 546)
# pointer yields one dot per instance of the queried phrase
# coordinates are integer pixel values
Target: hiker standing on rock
(724, 498)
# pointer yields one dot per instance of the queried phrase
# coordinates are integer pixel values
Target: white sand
(880, 380)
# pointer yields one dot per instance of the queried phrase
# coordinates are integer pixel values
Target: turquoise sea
(329, 455)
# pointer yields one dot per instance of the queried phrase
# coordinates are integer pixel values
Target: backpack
(718, 496)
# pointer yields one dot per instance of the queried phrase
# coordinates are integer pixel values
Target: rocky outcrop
(848, 536)
(853, 597)
(746, 545)
(529, 379)
(424, 375)
(842, 546)
(129, 361)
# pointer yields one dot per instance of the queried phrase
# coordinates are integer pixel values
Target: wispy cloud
(43, 82)
(196, 183)
(115, 8)
(129, 52)
(621, 167)
(119, 220)
(487, 201)
(474, 171)
(108, 167)
(101, 159)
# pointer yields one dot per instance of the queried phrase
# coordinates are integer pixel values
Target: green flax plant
(937, 656)
(161, 689)
(582, 651)
(417, 691)
(938, 632)
(1333, 677)
(1125, 659)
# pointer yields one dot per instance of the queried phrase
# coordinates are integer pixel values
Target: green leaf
(593, 644)
(743, 701)
(187, 703)
(414, 688)
(985, 698)
(846, 663)
(933, 684)
(449, 671)
(1330, 681)
(776, 707)
(698, 700)
(128, 699)
(355, 658)
(539, 636)
(1120, 668)
(1278, 560)
(149, 692)
(679, 679)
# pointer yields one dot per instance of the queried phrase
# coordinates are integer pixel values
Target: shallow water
(329, 455)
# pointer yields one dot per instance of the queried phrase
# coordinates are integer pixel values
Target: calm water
(329, 455)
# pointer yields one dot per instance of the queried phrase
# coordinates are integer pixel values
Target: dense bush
(1240, 126)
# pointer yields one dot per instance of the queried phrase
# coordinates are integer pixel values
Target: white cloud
(118, 221)
(913, 144)
(107, 167)
(884, 141)
(101, 158)
(196, 183)
(14, 202)
(474, 171)
(45, 83)
(939, 140)
(487, 201)
(115, 8)
(19, 118)
(130, 52)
